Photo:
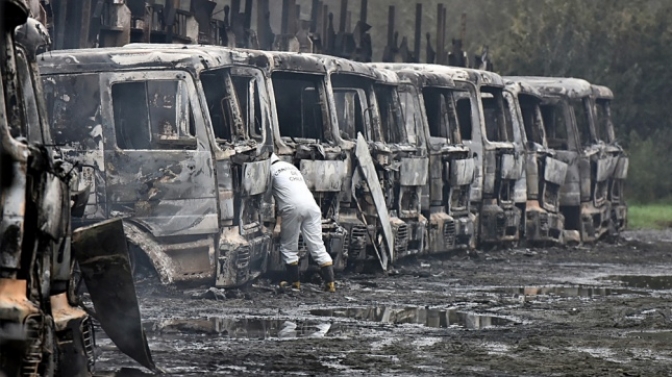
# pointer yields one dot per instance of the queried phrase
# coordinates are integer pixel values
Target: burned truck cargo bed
(169, 144)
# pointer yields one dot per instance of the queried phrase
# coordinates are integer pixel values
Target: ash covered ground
(603, 310)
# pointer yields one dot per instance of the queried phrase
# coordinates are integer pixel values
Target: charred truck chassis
(545, 175)
(446, 197)
(584, 198)
(191, 179)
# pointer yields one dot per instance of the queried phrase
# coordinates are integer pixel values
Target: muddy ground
(590, 311)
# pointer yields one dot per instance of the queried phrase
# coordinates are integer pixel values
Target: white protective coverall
(299, 213)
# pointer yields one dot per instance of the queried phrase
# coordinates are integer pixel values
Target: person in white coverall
(298, 213)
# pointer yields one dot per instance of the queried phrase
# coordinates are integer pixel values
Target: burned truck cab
(366, 102)
(602, 98)
(487, 128)
(545, 174)
(304, 136)
(429, 106)
(166, 144)
(568, 120)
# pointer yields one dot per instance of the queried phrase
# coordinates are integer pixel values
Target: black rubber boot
(328, 276)
(292, 277)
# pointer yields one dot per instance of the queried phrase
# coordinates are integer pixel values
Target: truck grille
(89, 342)
(357, 240)
(449, 233)
(401, 239)
(243, 263)
(33, 356)
(501, 225)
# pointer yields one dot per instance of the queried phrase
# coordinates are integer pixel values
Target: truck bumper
(542, 226)
(499, 225)
(594, 221)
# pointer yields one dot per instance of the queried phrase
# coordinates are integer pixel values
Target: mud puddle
(437, 318)
(566, 291)
(655, 282)
(244, 328)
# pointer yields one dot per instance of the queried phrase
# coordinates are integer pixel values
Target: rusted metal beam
(418, 32)
(262, 24)
(390, 26)
(235, 8)
(248, 14)
(60, 24)
(343, 16)
(292, 21)
(440, 36)
(314, 16)
(297, 19)
(284, 18)
(364, 10)
(348, 21)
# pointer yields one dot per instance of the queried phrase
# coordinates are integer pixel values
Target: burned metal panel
(227, 209)
(621, 170)
(323, 176)
(570, 192)
(555, 171)
(256, 177)
(413, 171)
(605, 168)
(511, 166)
(368, 170)
(461, 171)
(489, 173)
(102, 254)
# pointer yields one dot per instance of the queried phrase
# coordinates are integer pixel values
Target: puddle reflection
(663, 282)
(423, 316)
(244, 328)
(565, 291)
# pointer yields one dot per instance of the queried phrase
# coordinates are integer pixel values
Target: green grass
(649, 216)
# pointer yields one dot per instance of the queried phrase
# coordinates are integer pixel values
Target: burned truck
(42, 331)
(166, 143)
(602, 98)
(305, 136)
(366, 103)
(570, 130)
(321, 141)
(499, 189)
(545, 174)
(430, 115)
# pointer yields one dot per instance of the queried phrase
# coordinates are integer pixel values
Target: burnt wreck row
(403, 159)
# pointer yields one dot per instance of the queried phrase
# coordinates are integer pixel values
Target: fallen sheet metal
(368, 171)
(102, 254)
